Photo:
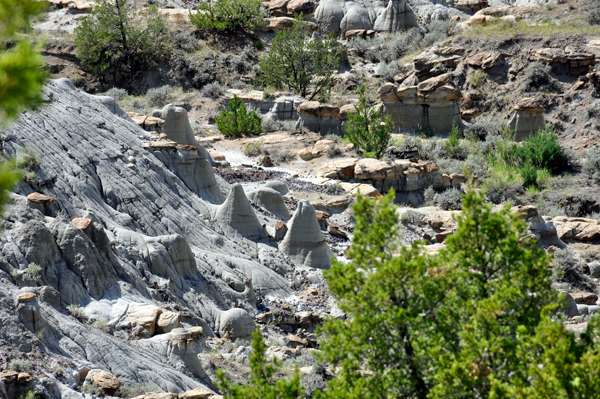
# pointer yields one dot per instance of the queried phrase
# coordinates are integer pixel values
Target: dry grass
(502, 30)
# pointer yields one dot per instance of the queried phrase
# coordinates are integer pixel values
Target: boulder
(471, 5)
(356, 18)
(271, 200)
(26, 297)
(317, 150)
(196, 393)
(341, 169)
(372, 169)
(39, 198)
(237, 213)
(304, 242)
(585, 298)
(107, 382)
(527, 118)
(485, 60)
(577, 229)
(283, 23)
(84, 224)
(237, 323)
(544, 232)
(330, 13)
(277, 185)
(167, 322)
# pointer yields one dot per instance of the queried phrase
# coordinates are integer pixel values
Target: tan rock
(8, 376)
(364, 33)
(196, 393)
(347, 109)
(322, 215)
(366, 190)
(145, 316)
(283, 23)
(315, 108)
(342, 169)
(217, 156)
(435, 82)
(82, 223)
(24, 378)
(164, 144)
(140, 120)
(529, 106)
(483, 60)
(158, 395)
(105, 380)
(153, 123)
(387, 93)
(371, 169)
(407, 92)
(39, 198)
(26, 297)
(167, 321)
(177, 15)
(296, 341)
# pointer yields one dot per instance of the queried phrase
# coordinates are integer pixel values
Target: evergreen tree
(238, 121)
(367, 129)
(120, 44)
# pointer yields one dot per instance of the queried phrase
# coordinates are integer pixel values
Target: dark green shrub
(367, 129)
(481, 128)
(120, 44)
(529, 175)
(238, 121)
(228, 15)
(543, 151)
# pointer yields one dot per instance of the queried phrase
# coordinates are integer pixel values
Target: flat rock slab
(26, 297)
(39, 198)
(82, 223)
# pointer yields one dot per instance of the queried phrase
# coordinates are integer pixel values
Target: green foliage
(543, 151)
(261, 382)
(238, 121)
(120, 44)
(253, 149)
(228, 15)
(529, 175)
(57, 370)
(31, 274)
(21, 74)
(442, 326)
(29, 395)
(91, 388)
(133, 390)
(19, 365)
(453, 141)
(299, 64)
(367, 129)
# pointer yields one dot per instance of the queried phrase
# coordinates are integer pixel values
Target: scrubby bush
(253, 149)
(449, 200)
(593, 16)
(159, 96)
(367, 129)
(282, 157)
(543, 151)
(481, 128)
(77, 312)
(453, 146)
(569, 269)
(499, 191)
(529, 175)
(274, 125)
(186, 42)
(437, 31)
(238, 121)
(91, 388)
(120, 44)
(117, 93)
(31, 274)
(57, 370)
(19, 365)
(213, 90)
(333, 151)
(387, 71)
(591, 167)
(133, 390)
(537, 77)
(228, 15)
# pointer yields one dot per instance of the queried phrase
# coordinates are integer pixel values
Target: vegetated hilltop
(143, 246)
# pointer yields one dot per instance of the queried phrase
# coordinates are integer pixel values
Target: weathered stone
(336, 232)
(283, 23)
(342, 169)
(347, 109)
(471, 5)
(295, 341)
(196, 393)
(387, 93)
(289, 8)
(167, 321)
(528, 118)
(435, 82)
(84, 224)
(320, 118)
(164, 144)
(578, 229)
(26, 297)
(39, 198)
(217, 156)
(105, 380)
(483, 60)
(371, 169)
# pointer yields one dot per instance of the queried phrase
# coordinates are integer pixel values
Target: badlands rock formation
(151, 235)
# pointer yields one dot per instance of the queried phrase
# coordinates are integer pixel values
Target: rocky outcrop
(237, 323)
(304, 242)
(289, 8)
(436, 61)
(432, 104)
(177, 125)
(397, 16)
(527, 118)
(577, 229)
(316, 150)
(283, 23)
(237, 213)
(544, 233)
(564, 61)
(320, 118)
(470, 5)
(571, 308)
(285, 108)
(107, 382)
